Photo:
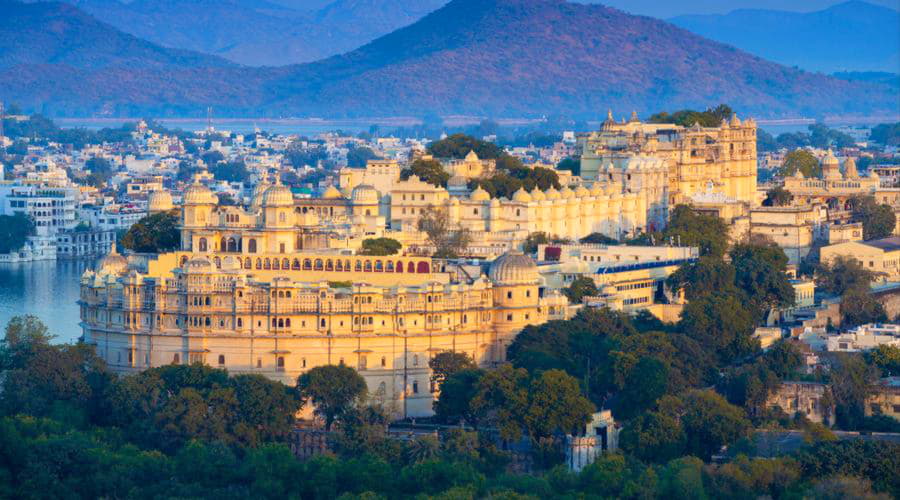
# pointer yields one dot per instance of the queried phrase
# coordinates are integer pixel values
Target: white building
(864, 338)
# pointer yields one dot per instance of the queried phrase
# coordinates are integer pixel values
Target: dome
(113, 263)
(332, 193)
(522, 196)
(582, 191)
(597, 189)
(260, 188)
(159, 201)
(364, 194)
(514, 268)
(198, 194)
(798, 174)
(472, 156)
(566, 193)
(735, 121)
(198, 264)
(537, 195)
(480, 194)
(552, 193)
(278, 196)
(830, 159)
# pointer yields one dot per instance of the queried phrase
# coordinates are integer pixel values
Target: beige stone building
(281, 314)
(793, 228)
(811, 399)
(694, 157)
(879, 256)
(884, 399)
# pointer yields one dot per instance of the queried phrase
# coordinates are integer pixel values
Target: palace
(694, 157)
(280, 314)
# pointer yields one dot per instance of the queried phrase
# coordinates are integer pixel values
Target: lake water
(48, 290)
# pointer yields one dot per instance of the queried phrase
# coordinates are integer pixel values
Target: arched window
(223, 245)
(267, 264)
(280, 362)
(423, 268)
(368, 266)
(221, 359)
(411, 268)
(339, 267)
(287, 322)
(202, 245)
(318, 265)
(232, 245)
(379, 267)
(248, 264)
(329, 265)
(218, 262)
(399, 266)
(357, 266)
(307, 264)
(240, 323)
(183, 259)
(383, 361)
(251, 247)
(390, 266)
(176, 359)
(276, 265)
(285, 264)
(258, 263)
(295, 265)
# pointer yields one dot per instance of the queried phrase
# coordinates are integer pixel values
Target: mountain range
(259, 32)
(481, 57)
(851, 36)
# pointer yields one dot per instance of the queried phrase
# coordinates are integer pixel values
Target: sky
(670, 8)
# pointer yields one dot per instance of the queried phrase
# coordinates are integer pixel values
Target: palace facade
(281, 314)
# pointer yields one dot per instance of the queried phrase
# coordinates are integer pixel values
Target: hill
(852, 36)
(526, 57)
(258, 32)
(57, 33)
(482, 57)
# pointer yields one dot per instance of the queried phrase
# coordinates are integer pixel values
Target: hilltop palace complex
(275, 286)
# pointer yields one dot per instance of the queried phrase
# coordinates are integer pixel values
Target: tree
(842, 274)
(887, 358)
(232, 171)
(530, 245)
(710, 422)
(858, 307)
(555, 405)
(212, 158)
(760, 271)
(448, 242)
(851, 381)
(722, 324)
(157, 233)
(708, 232)
(430, 171)
(778, 197)
(459, 145)
(802, 160)
(599, 239)
(380, 246)
(706, 276)
(712, 117)
(447, 363)
(645, 382)
(783, 358)
(359, 156)
(14, 231)
(332, 389)
(749, 386)
(886, 133)
(570, 163)
(581, 287)
(100, 171)
(878, 221)
(457, 392)
(653, 437)
(502, 400)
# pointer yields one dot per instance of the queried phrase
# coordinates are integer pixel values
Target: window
(363, 362)
(508, 295)
(303, 363)
(176, 359)
(279, 363)
(415, 386)
(221, 359)
(509, 317)
(415, 360)
(259, 362)
(383, 361)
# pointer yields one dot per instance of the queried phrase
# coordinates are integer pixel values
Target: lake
(48, 290)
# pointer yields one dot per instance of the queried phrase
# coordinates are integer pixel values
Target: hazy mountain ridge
(852, 36)
(483, 57)
(258, 32)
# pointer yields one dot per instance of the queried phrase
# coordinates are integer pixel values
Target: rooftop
(887, 244)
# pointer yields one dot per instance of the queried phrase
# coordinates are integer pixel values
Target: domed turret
(198, 194)
(831, 169)
(597, 189)
(552, 194)
(457, 181)
(472, 156)
(364, 194)
(566, 193)
(582, 191)
(735, 121)
(332, 193)
(278, 196)
(480, 194)
(514, 268)
(537, 195)
(113, 263)
(159, 201)
(522, 196)
(258, 191)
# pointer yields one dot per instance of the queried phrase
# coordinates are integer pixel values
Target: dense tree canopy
(580, 287)
(232, 171)
(14, 231)
(689, 228)
(778, 197)
(334, 390)
(842, 274)
(878, 220)
(157, 233)
(712, 117)
(802, 160)
(570, 163)
(357, 157)
(380, 246)
(459, 145)
(430, 171)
